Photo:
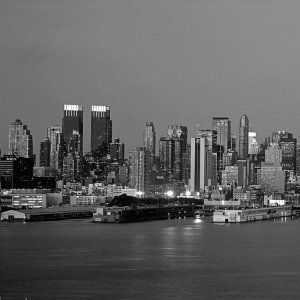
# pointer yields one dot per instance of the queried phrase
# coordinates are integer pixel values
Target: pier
(47, 214)
(139, 214)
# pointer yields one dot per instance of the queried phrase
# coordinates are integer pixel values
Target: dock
(47, 214)
(139, 214)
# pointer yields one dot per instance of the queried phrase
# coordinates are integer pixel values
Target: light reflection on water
(175, 259)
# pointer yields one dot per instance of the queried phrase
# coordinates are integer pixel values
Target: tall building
(20, 140)
(117, 150)
(271, 175)
(298, 159)
(253, 146)
(69, 166)
(16, 172)
(201, 165)
(75, 143)
(179, 132)
(222, 126)
(211, 137)
(149, 141)
(273, 154)
(72, 121)
(101, 128)
(288, 145)
(230, 175)
(54, 134)
(243, 137)
(45, 148)
(242, 173)
(271, 178)
(138, 170)
(172, 150)
(233, 142)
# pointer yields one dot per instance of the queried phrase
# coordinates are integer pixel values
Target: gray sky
(166, 61)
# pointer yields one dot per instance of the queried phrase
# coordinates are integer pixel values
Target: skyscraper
(253, 146)
(211, 137)
(101, 128)
(149, 140)
(45, 148)
(288, 145)
(117, 150)
(178, 132)
(223, 127)
(273, 155)
(138, 170)
(20, 140)
(72, 120)
(171, 152)
(54, 134)
(243, 137)
(201, 165)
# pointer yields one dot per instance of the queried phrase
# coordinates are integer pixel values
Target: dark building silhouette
(45, 149)
(16, 172)
(101, 128)
(72, 121)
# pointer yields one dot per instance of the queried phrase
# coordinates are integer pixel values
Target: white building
(201, 165)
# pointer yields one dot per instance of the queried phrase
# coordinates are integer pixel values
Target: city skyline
(186, 63)
(87, 142)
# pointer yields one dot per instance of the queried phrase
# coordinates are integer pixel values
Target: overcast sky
(166, 61)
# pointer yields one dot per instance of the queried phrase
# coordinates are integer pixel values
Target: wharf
(47, 214)
(139, 214)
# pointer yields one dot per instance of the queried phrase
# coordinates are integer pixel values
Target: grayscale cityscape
(149, 150)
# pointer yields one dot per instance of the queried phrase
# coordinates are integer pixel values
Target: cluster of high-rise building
(210, 159)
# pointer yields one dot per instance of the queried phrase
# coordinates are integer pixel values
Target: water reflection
(198, 221)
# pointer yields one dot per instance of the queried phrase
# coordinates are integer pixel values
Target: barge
(251, 214)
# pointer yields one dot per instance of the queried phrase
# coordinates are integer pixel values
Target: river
(170, 259)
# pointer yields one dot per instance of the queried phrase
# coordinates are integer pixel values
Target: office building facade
(243, 137)
(101, 128)
(222, 125)
(201, 165)
(45, 148)
(72, 121)
(149, 141)
(117, 150)
(16, 172)
(20, 140)
(57, 149)
(138, 170)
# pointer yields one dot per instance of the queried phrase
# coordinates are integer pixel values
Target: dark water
(175, 259)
